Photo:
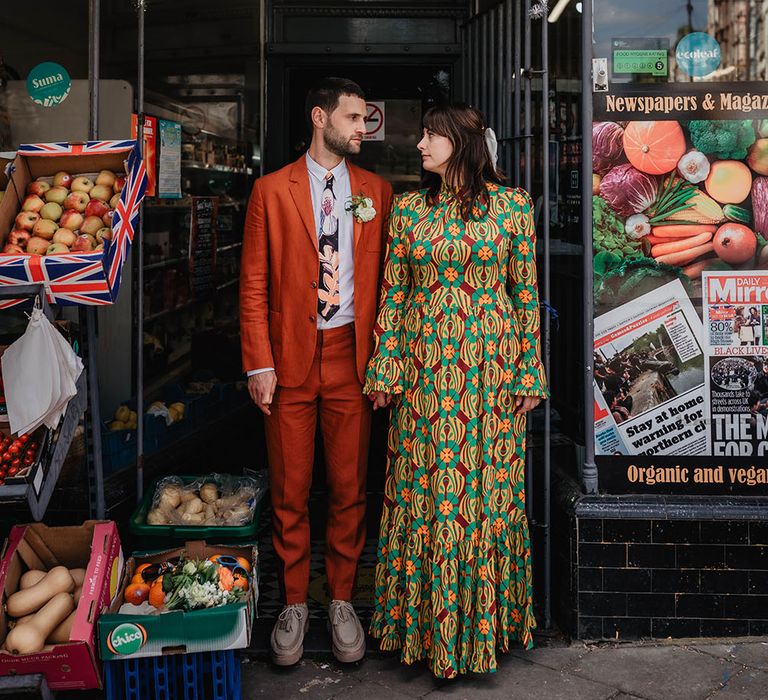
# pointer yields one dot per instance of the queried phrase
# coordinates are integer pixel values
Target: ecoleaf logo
(126, 639)
(48, 84)
(698, 54)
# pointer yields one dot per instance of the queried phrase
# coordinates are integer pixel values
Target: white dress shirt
(342, 190)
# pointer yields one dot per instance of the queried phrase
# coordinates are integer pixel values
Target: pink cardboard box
(94, 546)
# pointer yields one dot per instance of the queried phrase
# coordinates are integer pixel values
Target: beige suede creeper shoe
(346, 632)
(288, 635)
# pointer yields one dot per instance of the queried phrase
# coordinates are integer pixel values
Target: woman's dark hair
(470, 166)
(325, 93)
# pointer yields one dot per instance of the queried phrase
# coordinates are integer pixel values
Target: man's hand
(261, 387)
(523, 404)
(380, 399)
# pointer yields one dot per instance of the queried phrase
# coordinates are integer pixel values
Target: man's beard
(338, 145)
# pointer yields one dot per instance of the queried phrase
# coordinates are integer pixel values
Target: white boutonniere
(361, 208)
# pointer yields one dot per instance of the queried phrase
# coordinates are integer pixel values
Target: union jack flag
(83, 278)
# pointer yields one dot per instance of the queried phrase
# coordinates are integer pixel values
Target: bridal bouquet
(194, 584)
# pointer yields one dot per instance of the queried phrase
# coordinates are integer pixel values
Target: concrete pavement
(667, 670)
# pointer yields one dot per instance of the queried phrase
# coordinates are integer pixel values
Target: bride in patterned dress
(457, 358)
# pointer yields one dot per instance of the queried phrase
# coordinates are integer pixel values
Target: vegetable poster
(680, 198)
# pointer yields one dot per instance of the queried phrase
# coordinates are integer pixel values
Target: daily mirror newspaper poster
(735, 317)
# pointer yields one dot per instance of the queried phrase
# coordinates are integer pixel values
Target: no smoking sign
(374, 121)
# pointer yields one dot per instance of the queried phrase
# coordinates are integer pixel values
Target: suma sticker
(48, 84)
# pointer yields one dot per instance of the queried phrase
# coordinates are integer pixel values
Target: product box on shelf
(73, 278)
(94, 546)
(130, 636)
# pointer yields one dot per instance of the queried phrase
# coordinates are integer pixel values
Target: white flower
(190, 568)
(368, 203)
(365, 213)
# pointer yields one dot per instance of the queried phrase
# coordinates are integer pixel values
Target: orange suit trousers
(332, 392)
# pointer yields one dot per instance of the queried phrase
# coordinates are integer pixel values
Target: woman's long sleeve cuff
(531, 379)
(385, 368)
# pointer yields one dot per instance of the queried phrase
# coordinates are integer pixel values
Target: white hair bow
(492, 144)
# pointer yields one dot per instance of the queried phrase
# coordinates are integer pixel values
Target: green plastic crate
(182, 533)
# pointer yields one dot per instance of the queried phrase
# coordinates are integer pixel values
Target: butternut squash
(30, 578)
(60, 635)
(57, 580)
(30, 637)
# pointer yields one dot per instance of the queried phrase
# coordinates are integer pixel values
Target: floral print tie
(328, 245)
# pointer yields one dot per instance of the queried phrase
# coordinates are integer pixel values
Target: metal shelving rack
(38, 498)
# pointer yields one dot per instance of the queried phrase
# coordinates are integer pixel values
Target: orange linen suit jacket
(280, 269)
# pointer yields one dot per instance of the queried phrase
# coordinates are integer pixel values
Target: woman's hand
(380, 399)
(523, 404)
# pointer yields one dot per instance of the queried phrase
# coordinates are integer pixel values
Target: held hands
(261, 387)
(523, 404)
(380, 399)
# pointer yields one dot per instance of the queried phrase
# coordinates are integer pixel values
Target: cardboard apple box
(94, 546)
(85, 278)
(131, 636)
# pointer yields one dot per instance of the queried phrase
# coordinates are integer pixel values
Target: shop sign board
(202, 244)
(680, 244)
(48, 84)
(640, 57)
(374, 121)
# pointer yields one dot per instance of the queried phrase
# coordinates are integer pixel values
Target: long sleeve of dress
(531, 379)
(385, 368)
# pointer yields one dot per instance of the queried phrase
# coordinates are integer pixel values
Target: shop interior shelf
(166, 263)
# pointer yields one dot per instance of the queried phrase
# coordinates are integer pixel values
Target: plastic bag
(215, 500)
(40, 372)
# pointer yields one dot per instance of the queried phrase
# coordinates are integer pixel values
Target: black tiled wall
(669, 578)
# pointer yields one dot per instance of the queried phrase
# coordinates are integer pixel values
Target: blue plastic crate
(212, 675)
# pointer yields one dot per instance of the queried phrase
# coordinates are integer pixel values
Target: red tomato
(29, 460)
(7, 456)
(24, 438)
(16, 463)
(13, 471)
(14, 450)
(32, 447)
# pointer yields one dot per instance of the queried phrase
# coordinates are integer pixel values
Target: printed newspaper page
(735, 318)
(649, 377)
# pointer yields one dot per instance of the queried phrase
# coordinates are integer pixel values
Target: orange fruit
(136, 593)
(244, 563)
(156, 594)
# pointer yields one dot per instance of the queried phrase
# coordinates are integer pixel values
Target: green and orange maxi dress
(457, 339)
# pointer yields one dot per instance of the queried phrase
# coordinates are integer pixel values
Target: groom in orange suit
(312, 254)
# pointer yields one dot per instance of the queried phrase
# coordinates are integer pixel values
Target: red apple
(45, 228)
(107, 218)
(56, 194)
(62, 179)
(101, 192)
(38, 187)
(119, 184)
(106, 177)
(113, 202)
(18, 237)
(37, 245)
(57, 249)
(32, 203)
(735, 243)
(82, 184)
(71, 219)
(104, 234)
(11, 249)
(91, 225)
(51, 211)
(96, 208)
(77, 201)
(26, 220)
(65, 236)
(84, 244)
